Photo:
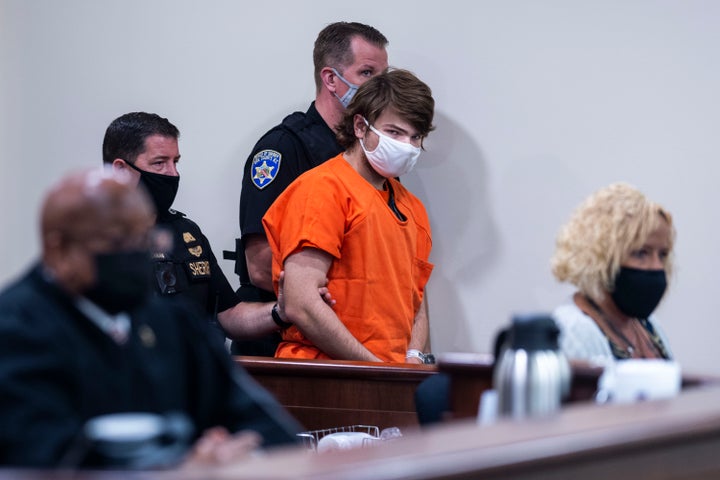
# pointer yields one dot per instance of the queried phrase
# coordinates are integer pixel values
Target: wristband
(426, 358)
(279, 321)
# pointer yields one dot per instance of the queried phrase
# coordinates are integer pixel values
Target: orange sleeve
(307, 214)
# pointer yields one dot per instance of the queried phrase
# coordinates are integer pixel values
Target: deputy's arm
(305, 272)
(258, 257)
(248, 320)
(254, 319)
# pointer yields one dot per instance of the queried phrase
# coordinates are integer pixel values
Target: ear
(329, 79)
(359, 126)
(122, 168)
(119, 164)
(53, 249)
(61, 259)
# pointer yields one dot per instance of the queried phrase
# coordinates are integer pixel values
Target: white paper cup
(342, 441)
(634, 380)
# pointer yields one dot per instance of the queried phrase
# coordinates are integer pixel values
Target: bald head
(94, 211)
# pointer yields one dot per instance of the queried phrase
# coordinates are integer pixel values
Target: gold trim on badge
(196, 251)
(187, 237)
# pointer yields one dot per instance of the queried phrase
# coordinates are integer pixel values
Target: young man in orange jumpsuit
(350, 221)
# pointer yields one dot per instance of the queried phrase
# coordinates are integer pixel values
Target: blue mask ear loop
(352, 88)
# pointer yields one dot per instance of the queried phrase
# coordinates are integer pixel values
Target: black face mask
(122, 281)
(637, 292)
(162, 188)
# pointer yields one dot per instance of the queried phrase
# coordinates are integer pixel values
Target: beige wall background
(538, 105)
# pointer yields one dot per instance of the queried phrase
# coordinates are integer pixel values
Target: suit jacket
(58, 369)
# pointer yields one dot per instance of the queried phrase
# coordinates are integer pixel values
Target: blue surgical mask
(352, 89)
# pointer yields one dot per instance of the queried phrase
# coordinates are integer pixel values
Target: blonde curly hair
(600, 234)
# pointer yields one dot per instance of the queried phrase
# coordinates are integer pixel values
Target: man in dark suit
(82, 336)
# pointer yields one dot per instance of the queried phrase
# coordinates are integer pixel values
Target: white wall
(538, 105)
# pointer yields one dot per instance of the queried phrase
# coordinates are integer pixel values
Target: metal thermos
(531, 375)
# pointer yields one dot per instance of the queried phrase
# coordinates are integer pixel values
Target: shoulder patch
(265, 167)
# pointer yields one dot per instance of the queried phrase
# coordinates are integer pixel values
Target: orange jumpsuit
(380, 263)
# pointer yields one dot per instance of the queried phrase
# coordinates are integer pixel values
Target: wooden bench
(668, 439)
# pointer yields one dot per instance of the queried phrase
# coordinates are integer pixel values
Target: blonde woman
(617, 250)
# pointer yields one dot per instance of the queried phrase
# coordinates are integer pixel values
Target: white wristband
(413, 353)
(426, 358)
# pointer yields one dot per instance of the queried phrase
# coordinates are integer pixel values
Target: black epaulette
(297, 122)
(315, 148)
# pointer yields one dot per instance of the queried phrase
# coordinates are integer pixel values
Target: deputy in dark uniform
(145, 146)
(82, 336)
(190, 270)
(346, 54)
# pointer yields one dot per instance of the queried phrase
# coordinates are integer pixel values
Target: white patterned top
(582, 339)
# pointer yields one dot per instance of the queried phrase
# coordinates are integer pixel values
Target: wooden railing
(332, 393)
(676, 439)
(667, 439)
(657, 440)
(471, 374)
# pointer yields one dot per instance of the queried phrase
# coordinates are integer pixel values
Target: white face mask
(391, 158)
(352, 89)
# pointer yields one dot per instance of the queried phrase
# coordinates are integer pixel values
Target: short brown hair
(333, 46)
(397, 89)
(125, 136)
